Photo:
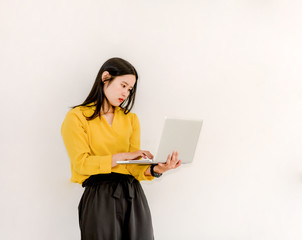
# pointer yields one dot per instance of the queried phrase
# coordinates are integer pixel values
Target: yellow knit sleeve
(136, 170)
(75, 137)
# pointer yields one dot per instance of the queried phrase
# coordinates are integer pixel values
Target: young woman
(98, 133)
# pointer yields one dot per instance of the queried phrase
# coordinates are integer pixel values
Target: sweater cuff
(146, 177)
(104, 163)
(138, 171)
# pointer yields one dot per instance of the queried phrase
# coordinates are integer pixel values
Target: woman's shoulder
(80, 112)
(130, 115)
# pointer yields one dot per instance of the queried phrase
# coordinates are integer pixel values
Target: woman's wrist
(154, 173)
(157, 170)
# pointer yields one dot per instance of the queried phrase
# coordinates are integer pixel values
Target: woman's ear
(105, 76)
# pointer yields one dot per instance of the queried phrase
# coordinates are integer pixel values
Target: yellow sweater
(91, 144)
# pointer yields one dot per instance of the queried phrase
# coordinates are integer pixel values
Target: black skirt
(114, 207)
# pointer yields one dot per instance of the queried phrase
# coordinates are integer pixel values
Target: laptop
(178, 134)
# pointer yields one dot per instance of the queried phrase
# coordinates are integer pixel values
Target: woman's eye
(123, 85)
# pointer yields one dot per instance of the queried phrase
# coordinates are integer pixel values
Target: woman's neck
(107, 108)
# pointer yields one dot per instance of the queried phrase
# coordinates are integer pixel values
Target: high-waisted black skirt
(114, 207)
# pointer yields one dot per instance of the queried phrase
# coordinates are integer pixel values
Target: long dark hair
(115, 67)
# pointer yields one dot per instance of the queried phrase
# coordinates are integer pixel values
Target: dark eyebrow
(127, 84)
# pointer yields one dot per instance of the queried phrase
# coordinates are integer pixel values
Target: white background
(235, 64)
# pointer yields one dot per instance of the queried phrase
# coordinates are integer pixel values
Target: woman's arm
(76, 140)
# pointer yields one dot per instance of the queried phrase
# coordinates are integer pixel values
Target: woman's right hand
(138, 154)
(130, 156)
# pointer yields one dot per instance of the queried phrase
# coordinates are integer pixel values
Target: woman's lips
(121, 100)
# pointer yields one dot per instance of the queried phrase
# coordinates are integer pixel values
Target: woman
(97, 134)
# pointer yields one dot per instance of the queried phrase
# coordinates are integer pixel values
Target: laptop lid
(181, 135)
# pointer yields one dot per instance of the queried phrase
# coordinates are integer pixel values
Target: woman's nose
(125, 93)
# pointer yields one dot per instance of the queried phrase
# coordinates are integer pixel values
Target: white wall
(236, 64)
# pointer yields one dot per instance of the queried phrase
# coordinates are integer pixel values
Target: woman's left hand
(171, 163)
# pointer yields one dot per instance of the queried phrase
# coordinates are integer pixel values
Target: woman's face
(119, 89)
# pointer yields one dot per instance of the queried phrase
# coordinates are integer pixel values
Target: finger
(174, 156)
(178, 164)
(149, 154)
(139, 156)
(168, 160)
(174, 159)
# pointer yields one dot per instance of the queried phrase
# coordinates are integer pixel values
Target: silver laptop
(178, 134)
